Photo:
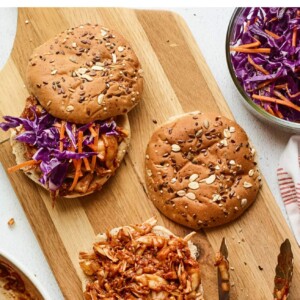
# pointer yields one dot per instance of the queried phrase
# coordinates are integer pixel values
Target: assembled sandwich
(74, 131)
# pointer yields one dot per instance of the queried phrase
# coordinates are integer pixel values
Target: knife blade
(223, 271)
(283, 271)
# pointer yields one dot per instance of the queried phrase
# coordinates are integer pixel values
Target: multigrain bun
(155, 260)
(201, 170)
(84, 74)
(20, 151)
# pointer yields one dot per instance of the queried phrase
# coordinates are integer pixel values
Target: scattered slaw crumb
(11, 222)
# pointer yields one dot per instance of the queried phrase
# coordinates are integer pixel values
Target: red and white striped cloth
(288, 175)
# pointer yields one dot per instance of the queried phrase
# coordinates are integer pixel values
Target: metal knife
(283, 272)
(223, 271)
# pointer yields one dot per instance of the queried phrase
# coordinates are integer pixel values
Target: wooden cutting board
(177, 80)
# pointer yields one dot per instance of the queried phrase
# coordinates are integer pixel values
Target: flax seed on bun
(84, 74)
(201, 170)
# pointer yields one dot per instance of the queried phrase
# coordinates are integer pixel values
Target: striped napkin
(288, 175)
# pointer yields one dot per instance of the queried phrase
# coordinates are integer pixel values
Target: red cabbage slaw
(265, 54)
(43, 133)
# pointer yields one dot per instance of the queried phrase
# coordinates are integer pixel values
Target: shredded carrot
(263, 84)
(85, 160)
(294, 37)
(285, 87)
(276, 100)
(22, 165)
(62, 135)
(265, 98)
(251, 45)
(75, 162)
(77, 175)
(273, 19)
(279, 114)
(94, 158)
(93, 132)
(279, 95)
(79, 161)
(281, 86)
(245, 50)
(293, 95)
(257, 67)
(80, 139)
(87, 164)
(246, 26)
(72, 148)
(93, 147)
(270, 110)
(272, 34)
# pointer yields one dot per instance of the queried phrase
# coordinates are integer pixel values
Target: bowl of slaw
(263, 57)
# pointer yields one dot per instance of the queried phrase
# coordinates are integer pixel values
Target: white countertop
(209, 29)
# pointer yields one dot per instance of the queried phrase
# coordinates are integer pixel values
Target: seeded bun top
(84, 74)
(201, 170)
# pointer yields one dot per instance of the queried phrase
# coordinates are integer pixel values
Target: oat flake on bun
(201, 170)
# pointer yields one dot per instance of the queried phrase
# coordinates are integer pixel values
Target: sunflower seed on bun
(201, 170)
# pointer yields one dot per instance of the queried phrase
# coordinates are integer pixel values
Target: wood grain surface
(177, 80)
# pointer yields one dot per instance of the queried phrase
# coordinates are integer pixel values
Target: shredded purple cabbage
(283, 63)
(42, 134)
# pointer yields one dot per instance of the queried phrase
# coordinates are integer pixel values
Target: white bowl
(31, 283)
